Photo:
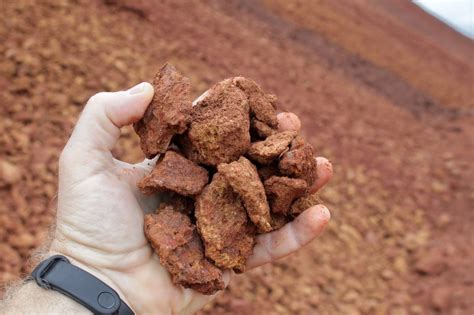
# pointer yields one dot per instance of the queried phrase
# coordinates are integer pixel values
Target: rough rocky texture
(268, 171)
(264, 152)
(222, 222)
(178, 203)
(219, 131)
(303, 203)
(279, 220)
(169, 112)
(282, 191)
(179, 248)
(175, 173)
(261, 105)
(260, 129)
(299, 162)
(345, 92)
(243, 177)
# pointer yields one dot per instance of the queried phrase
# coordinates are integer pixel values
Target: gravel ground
(386, 101)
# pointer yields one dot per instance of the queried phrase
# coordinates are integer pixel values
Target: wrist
(127, 283)
(96, 272)
(29, 298)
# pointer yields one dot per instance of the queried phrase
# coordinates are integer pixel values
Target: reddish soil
(384, 91)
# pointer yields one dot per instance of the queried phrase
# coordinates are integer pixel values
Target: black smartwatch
(57, 273)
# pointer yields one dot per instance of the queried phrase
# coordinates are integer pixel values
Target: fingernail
(325, 212)
(137, 89)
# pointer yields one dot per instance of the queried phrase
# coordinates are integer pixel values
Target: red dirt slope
(390, 43)
(388, 103)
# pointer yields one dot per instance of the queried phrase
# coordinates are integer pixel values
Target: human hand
(99, 224)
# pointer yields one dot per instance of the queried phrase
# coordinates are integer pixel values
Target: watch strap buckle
(42, 269)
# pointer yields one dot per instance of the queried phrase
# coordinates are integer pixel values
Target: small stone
(441, 298)
(9, 173)
(282, 191)
(179, 248)
(264, 152)
(438, 187)
(303, 203)
(169, 112)
(299, 162)
(223, 224)
(261, 106)
(261, 129)
(243, 177)
(22, 240)
(432, 262)
(387, 274)
(220, 128)
(443, 220)
(400, 265)
(175, 173)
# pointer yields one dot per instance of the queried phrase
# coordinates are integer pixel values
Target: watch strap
(57, 273)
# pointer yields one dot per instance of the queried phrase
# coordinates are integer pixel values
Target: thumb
(98, 127)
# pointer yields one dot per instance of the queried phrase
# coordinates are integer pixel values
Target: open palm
(100, 211)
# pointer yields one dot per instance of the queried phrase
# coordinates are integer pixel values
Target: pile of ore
(228, 172)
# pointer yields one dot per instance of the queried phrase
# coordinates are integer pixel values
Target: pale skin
(99, 224)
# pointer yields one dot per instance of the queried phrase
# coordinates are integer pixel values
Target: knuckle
(96, 98)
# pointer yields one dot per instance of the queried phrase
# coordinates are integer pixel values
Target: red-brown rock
(282, 191)
(175, 173)
(243, 177)
(177, 244)
(222, 222)
(219, 131)
(169, 112)
(266, 151)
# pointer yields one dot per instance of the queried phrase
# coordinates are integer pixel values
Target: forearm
(29, 298)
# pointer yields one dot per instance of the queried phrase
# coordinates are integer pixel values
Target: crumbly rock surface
(282, 191)
(266, 151)
(303, 203)
(299, 162)
(261, 104)
(169, 112)
(243, 177)
(177, 244)
(220, 126)
(222, 222)
(175, 173)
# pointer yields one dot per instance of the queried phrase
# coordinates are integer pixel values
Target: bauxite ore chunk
(219, 131)
(169, 112)
(178, 203)
(243, 177)
(177, 244)
(175, 173)
(260, 129)
(281, 191)
(264, 152)
(303, 203)
(268, 171)
(261, 104)
(278, 221)
(222, 222)
(299, 162)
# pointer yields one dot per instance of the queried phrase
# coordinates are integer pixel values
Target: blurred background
(384, 90)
